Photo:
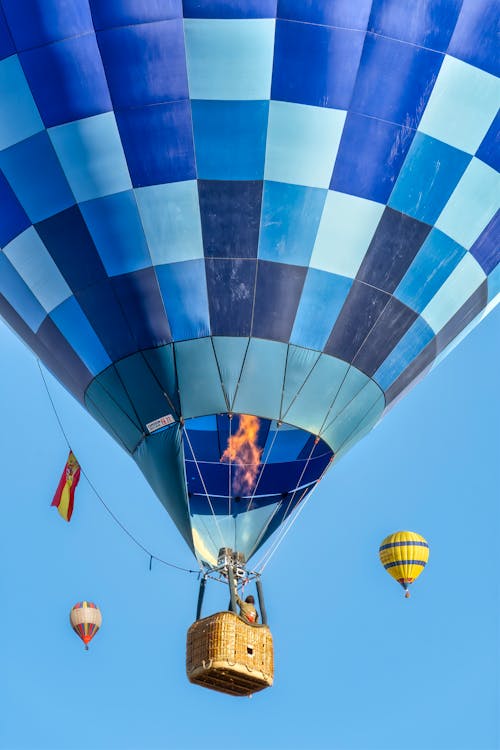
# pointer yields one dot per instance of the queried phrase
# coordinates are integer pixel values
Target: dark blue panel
(361, 310)
(145, 64)
(463, 317)
(395, 80)
(476, 35)
(277, 297)
(417, 367)
(67, 80)
(230, 285)
(486, 249)
(77, 257)
(158, 143)
(37, 22)
(106, 318)
(6, 44)
(315, 64)
(391, 326)
(345, 14)
(230, 217)
(370, 157)
(13, 219)
(489, 150)
(428, 23)
(108, 13)
(139, 296)
(396, 241)
(62, 359)
(230, 8)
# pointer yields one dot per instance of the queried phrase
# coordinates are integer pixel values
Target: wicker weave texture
(226, 654)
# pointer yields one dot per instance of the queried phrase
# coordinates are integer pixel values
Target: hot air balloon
(85, 619)
(404, 555)
(239, 232)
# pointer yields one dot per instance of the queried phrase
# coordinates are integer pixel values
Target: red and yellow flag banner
(65, 493)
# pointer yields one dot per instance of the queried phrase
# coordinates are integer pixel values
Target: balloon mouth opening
(86, 639)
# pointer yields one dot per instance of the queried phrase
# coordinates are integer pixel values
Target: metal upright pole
(232, 589)
(201, 594)
(262, 606)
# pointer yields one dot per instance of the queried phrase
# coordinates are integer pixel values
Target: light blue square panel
(494, 285)
(76, 329)
(352, 385)
(302, 143)
(17, 294)
(462, 106)
(230, 354)
(199, 380)
(229, 58)
(299, 364)
(432, 265)
(184, 290)
(348, 421)
(346, 229)
(116, 229)
(20, 117)
(429, 176)
(290, 220)
(34, 264)
(230, 139)
(91, 154)
(322, 299)
(170, 216)
(456, 290)
(326, 378)
(472, 205)
(403, 354)
(35, 175)
(261, 382)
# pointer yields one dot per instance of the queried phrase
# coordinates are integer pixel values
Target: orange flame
(242, 449)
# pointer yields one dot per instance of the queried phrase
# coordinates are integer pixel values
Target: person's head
(250, 600)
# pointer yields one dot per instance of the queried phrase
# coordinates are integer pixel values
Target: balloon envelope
(404, 555)
(85, 619)
(281, 210)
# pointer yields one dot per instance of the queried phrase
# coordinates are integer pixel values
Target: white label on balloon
(157, 424)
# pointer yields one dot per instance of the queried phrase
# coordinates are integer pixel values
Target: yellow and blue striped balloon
(404, 555)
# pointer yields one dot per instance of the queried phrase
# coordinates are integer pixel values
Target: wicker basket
(227, 654)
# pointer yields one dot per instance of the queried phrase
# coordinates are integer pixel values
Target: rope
(99, 496)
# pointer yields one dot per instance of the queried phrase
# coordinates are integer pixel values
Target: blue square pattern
(346, 229)
(472, 205)
(115, 226)
(290, 220)
(230, 213)
(91, 155)
(107, 319)
(111, 13)
(33, 263)
(20, 117)
(40, 22)
(395, 80)
(486, 249)
(475, 39)
(229, 59)
(229, 8)
(343, 14)
(231, 285)
(184, 290)
(13, 219)
(7, 47)
(322, 299)
(370, 156)
(408, 348)
(462, 105)
(302, 143)
(139, 296)
(158, 143)
(170, 215)
(35, 175)
(434, 262)
(230, 139)
(145, 63)
(18, 294)
(429, 175)
(76, 329)
(427, 23)
(489, 150)
(78, 85)
(277, 296)
(315, 64)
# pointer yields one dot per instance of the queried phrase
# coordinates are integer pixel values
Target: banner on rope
(65, 494)
(157, 424)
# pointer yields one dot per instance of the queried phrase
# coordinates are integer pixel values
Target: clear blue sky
(357, 666)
